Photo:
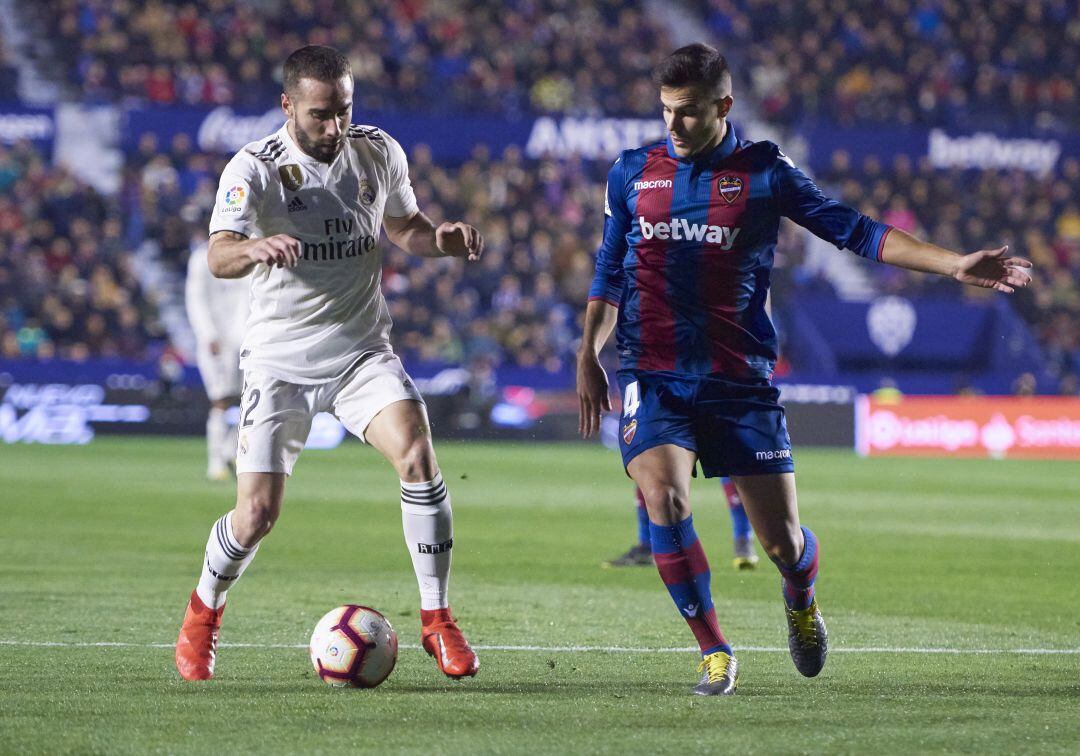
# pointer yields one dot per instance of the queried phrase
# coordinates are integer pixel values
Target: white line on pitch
(604, 649)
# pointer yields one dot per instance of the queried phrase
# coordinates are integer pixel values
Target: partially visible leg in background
(640, 554)
(742, 534)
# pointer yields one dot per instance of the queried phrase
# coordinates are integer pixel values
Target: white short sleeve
(238, 197)
(400, 200)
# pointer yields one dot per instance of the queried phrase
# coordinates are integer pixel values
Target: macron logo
(774, 454)
(681, 229)
(658, 184)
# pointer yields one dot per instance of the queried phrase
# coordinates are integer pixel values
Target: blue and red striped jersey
(688, 251)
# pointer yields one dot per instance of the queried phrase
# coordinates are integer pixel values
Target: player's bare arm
(987, 268)
(417, 235)
(233, 255)
(592, 381)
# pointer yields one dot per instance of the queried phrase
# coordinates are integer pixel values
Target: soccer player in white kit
(217, 309)
(301, 211)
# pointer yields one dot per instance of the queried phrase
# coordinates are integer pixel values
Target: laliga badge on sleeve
(233, 200)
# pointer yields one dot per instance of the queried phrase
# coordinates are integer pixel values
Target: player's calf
(808, 639)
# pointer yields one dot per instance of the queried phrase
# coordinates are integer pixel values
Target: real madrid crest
(730, 187)
(367, 191)
(291, 176)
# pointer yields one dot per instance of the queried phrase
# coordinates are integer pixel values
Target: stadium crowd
(1010, 63)
(547, 55)
(68, 288)
(965, 64)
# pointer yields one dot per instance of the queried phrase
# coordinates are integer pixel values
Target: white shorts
(221, 374)
(275, 416)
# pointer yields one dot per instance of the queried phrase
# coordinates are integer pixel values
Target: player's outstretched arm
(592, 381)
(233, 255)
(417, 235)
(987, 268)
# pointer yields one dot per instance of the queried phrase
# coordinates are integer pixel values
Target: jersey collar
(719, 152)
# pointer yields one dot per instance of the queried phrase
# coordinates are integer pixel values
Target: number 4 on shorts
(631, 400)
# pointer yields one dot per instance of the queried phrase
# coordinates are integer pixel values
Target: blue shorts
(736, 428)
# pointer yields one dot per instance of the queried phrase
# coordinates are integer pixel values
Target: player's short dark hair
(692, 66)
(317, 62)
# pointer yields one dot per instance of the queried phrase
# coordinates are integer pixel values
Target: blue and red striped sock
(683, 567)
(644, 538)
(740, 523)
(799, 577)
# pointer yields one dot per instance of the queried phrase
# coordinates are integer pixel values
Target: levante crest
(730, 188)
(628, 431)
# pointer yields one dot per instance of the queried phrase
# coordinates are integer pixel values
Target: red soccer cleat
(196, 648)
(442, 639)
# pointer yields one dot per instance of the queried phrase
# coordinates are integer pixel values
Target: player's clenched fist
(281, 250)
(459, 240)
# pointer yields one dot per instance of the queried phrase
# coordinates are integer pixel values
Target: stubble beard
(322, 152)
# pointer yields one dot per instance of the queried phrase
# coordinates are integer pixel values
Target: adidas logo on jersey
(297, 205)
(681, 229)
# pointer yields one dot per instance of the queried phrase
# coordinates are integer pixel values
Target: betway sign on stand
(989, 426)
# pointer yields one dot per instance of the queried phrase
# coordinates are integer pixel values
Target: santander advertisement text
(1041, 427)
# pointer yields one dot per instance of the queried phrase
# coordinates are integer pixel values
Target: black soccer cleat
(639, 555)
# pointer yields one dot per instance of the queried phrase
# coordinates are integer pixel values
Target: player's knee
(785, 550)
(417, 464)
(665, 503)
(255, 517)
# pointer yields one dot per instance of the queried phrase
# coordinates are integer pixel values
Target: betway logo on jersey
(336, 248)
(681, 229)
(657, 184)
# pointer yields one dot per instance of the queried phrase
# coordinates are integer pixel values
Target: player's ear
(724, 105)
(286, 105)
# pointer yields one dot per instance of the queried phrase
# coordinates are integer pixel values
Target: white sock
(225, 561)
(228, 449)
(429, 533)
(216, 432)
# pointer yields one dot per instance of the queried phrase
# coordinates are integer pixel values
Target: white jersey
(217, 308)
(311, 323)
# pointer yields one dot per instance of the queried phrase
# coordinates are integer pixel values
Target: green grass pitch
(101, 544)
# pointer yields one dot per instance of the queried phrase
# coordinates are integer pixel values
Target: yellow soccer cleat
(745, 557)
(720, 675)
(808, 640)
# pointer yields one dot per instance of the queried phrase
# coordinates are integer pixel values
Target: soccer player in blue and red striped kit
(682, 274)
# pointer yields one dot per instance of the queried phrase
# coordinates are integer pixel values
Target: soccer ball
(353, 645)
